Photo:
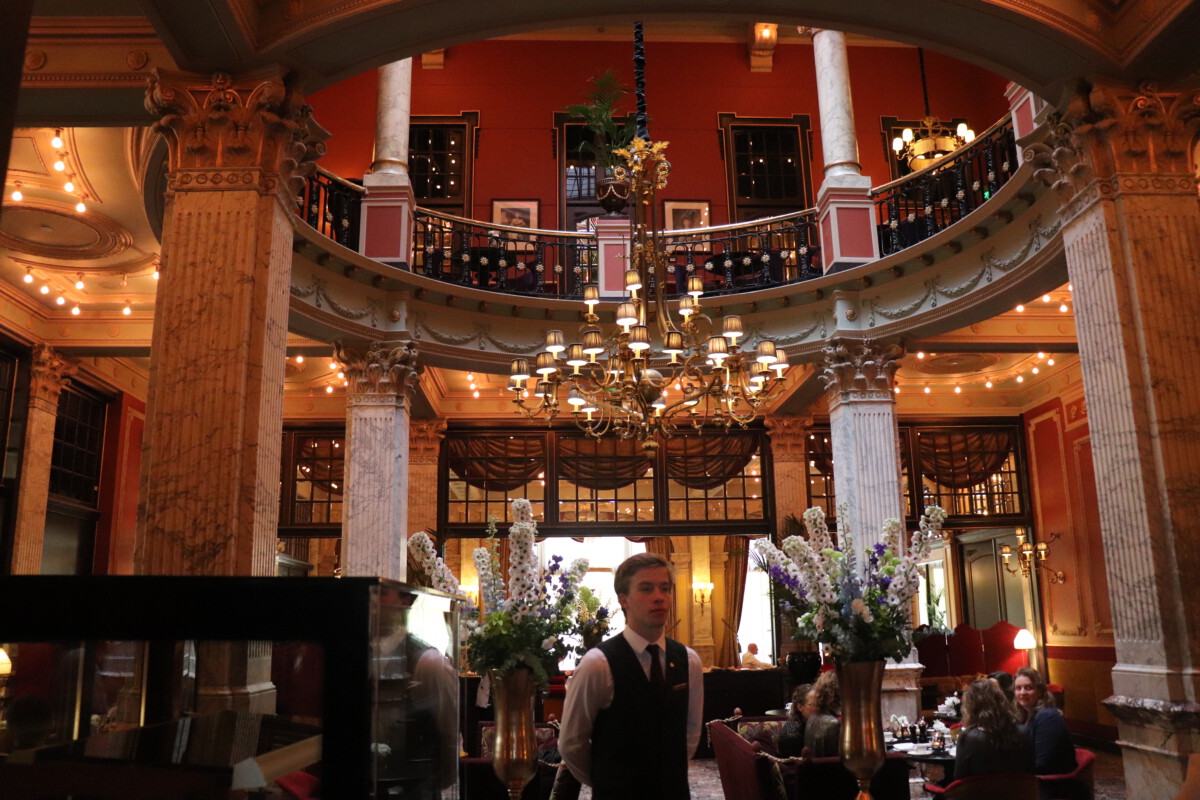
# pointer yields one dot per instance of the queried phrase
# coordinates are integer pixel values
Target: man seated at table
(750, 659)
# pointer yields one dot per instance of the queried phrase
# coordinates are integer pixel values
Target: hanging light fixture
(1031, 557)
(696, 373)
(931, 140)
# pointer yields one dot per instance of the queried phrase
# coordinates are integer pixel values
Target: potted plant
(608, 134)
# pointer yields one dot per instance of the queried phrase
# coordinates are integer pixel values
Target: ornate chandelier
(693, 375)
(931, 139)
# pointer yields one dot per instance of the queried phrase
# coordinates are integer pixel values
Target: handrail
(914, 208)
(354, 187)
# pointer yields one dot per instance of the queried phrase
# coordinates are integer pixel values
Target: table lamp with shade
(1024, 641)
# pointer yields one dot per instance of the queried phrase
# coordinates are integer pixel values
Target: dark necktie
(656, 671)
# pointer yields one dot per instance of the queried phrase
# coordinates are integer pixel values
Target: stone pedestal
(49, 375)
(1131, 232)
(209, 500)
(382, 376)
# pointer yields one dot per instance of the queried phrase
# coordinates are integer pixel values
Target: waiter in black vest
(631, 719)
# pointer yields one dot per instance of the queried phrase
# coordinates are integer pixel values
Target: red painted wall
(1076, 614)
(517, 86)
(120, 470)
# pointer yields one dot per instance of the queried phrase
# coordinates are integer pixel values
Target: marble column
(424, 445)
(387, 210)
(1131, 231)
(50, 373)
(789, 449)
(209, 499)
(382, 377)
(845, 211)
(858, 377)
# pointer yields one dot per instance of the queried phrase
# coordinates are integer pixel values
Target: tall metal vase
(860, 684)
(515, 756)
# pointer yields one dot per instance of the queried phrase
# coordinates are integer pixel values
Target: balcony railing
(917, 206)
(730, 258)
(331, 205)
(503, 258)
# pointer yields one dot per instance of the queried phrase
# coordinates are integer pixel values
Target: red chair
(1078, 784)
(1001, 786)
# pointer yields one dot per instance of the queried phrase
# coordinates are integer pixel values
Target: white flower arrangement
(859, 607)
(439, 575)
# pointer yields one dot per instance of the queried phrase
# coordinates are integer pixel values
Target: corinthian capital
(379, 369)
(225, 124)
(789, 436)
(859, 370)
(50, 373)
(1125, 138)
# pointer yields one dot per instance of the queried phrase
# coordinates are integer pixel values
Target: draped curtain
(496, 464)
(601, 464)
(706, 462)
(737, 549)
(960, 460)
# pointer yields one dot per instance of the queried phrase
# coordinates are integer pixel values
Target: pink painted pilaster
(612, 241)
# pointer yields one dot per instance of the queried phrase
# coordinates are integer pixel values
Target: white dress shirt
(590, 690)
(751, 661)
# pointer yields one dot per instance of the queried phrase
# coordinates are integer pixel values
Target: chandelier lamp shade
(654, 371)
(931, 140)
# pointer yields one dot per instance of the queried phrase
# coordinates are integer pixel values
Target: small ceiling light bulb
(958, 390)
(17, 196)
(1063, 308)
(1070, 287)
(57, 141)
(896, 390)
(75, 309)
(1020, 379)
(128, 309)
(60, 165)
(1020, 309)
(1045, 298)
(333, 365)
(920, 354)
(68, 187)
(341, 375)
(329, 390)
(80, 207)
(154, 275)
(79, 282)
(1050, 362)
(475, 394)
(45, 289)
(1041, 355)
(60, 300)
(926, 390)
(28, 276)
(300, 359)
(988, 384)
(1035, 370)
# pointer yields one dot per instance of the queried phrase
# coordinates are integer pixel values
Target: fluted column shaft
(1132, 239)
(866, 449)
(839, 141)
(50, 373)
(382, 376)
(209, 500)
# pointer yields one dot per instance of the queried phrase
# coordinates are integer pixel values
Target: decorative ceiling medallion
(49, 231)
(953, 363)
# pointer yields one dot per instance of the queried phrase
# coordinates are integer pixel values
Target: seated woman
(991, 741)
(1005, 681)
(822, 729)
(791, 736)
(1053, 752)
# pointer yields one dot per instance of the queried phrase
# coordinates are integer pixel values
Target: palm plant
(599, 117)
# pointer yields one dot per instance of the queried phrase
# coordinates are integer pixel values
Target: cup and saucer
(921, 750)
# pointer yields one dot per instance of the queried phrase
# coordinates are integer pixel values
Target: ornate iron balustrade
(917, 206)
(503, 258)
(331, 205)
(745, 256)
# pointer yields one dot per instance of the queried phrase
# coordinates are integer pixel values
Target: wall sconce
(702, 593)
(470, 591)
(1031, 557)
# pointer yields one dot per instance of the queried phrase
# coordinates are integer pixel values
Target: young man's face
(648, 603)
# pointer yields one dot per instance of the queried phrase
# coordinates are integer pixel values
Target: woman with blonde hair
(1053, 751)
(991, 741)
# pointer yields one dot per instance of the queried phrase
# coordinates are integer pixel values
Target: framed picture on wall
(516, 213)
(684, 214)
